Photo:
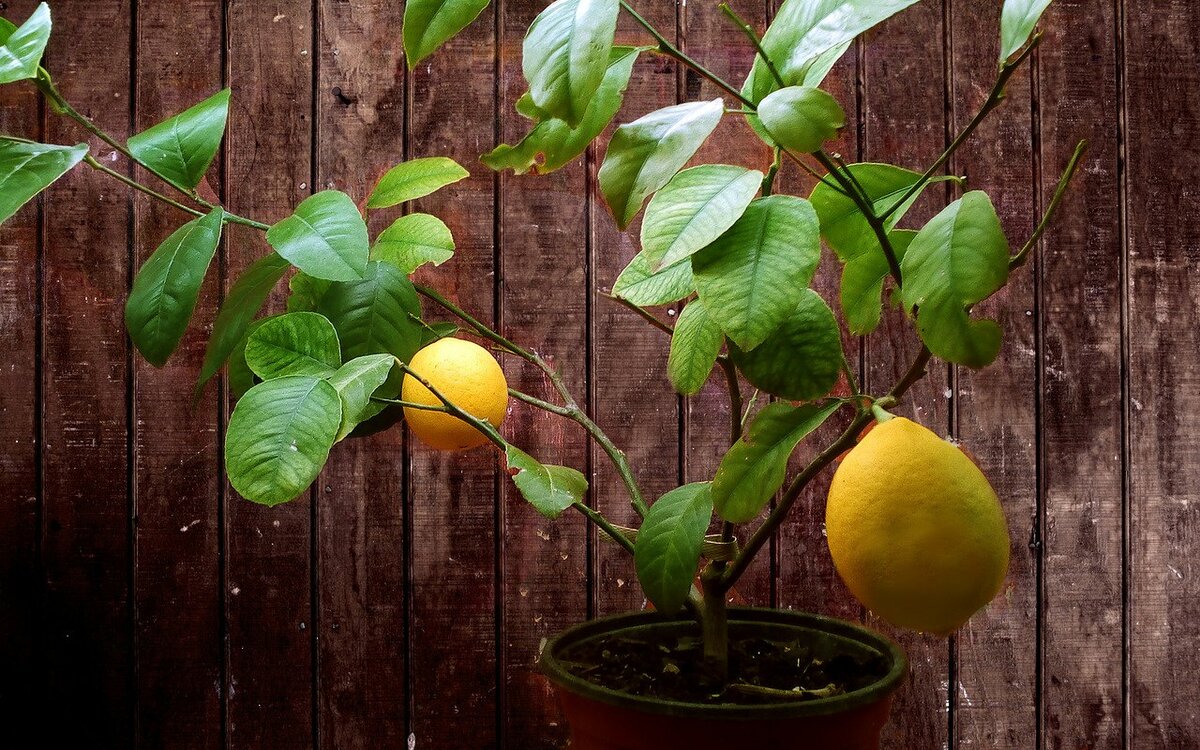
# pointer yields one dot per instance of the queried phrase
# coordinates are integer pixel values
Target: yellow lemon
(915, 530)
(470, 377)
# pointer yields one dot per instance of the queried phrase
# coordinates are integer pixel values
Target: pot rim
(873, 693)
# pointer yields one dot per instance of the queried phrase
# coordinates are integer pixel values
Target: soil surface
(664, 664)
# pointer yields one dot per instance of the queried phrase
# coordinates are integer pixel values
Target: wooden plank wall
(401, 603)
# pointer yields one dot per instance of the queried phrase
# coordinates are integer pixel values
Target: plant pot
(605, 719)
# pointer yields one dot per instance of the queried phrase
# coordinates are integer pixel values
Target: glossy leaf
(753, 470)
(325, 237)
(760, 83)
(355, 382)
(552, 144)
(21, 47)
(166, 288)
(1018, 19)
(754, 274)
(667, 552)
(279, 437)
(645, 154)
(695, 344)
(958, 259)
(549, 489)
(182, 148)
(242, 303)
(695, 208)
(801, 118)
(414, 240)
(378, 314)
(414, 179)
(298, 343)
(565, 55)
(801, 360)
(862, 284)
(27, 169)
(642, 285)
(428, 24)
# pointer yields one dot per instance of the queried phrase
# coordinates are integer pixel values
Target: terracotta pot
(603, 719)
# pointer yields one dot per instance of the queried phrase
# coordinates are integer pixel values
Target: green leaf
(754, 468)
(801, 118)
(1017, 22)
(241, 305)
(241, 378)
(414, 240)
(355, 382)
(642, 285)
(279, 437)
(959, 258)
(802, 359)
(306, 292)
(298, 343)
(428, 24)
(695, 344)
(862, 284)
(695, 208)
(548, 488)
(166, 288)
(182, 148)
(379, 314)
(760, 83)
(667, 551)
(645, 154)
(27, 169)
(552, 144)
(21, 48)
(844, 227)
(565, 55)
(754, 274)
(325, 237)
(414, 179)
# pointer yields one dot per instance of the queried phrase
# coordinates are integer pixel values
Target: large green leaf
(754, 274)
(695, 208)
(1017, 22)
(565, 55)
(182, 148)
(667, 551)
(801, 118)
(959, 258)
(241, 305)
(298, 343)
(642, 285)
(428, 24)
(802, 359)
(355, 382)
(379, 314)
(862, 284)
(414, 179)
(754, 468)
(27, 169)
(166, 288)
(695, 345)
(843, 225)
(21, 48)
(645, 154)
(279, 437)
(325, 237)
(552, 144)
(548, 488)
(414, 240)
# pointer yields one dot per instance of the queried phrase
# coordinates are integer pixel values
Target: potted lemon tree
(914, 528)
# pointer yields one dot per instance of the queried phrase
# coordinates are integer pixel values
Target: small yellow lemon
(470, 377)
(915, 530)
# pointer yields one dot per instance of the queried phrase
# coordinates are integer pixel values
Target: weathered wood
(994, 410)
(268, 569)
(1082, 283)
(1161, 91)
(180, 652)
(362, 695)
(453, 549)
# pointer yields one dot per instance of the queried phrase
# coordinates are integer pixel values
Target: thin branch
(748, 30)
(94, 164)
(644, 314)
(768, 183)
(735, 398)
(1064, 182)
(487, 428)
(868, 211)
(561, 411)
(595, 517)
(814, 173)
(410, 404)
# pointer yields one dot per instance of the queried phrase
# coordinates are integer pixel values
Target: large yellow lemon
(915, 530)
(466, 374)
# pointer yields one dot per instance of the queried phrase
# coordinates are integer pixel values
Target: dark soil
(661, 663)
